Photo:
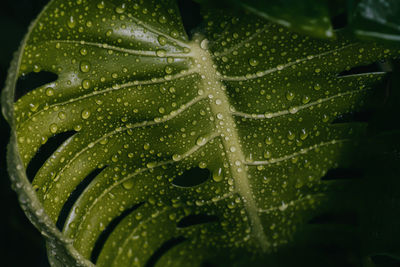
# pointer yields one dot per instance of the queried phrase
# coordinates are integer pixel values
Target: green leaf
(308, 17)
(245, 105)
(376, 19)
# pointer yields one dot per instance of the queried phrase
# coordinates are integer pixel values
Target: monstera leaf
(190, 148)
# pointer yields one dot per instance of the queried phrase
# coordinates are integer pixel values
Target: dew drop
(120, 9)
(253, 62)
(53, 128)
(114, 158)
(176, 157)
(62, 115)
(289, 96)
(317, 87)
(202, 165)
(83, 51)
(86, 84)
(49, 91)
(305, 99)
(33, 106)
(85, 114)
(128, 184)
(201, 141)
(293, 110)
(85, 66)
(303, 134)
(168, 69)
(162, 40)
(217, 175)
(161, 110)
(161, 53)
(71, 23)
(162, 19)
(291, 135)
(268, 140)
(100, 5)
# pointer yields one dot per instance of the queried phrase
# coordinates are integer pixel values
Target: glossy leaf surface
(307, 17)
(376, 19)
(245, 105)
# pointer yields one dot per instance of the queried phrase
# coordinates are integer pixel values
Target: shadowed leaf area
(201, 151)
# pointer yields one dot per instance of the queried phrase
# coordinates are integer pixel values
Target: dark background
(21, 242)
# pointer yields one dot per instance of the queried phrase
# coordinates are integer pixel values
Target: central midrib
(226, 127)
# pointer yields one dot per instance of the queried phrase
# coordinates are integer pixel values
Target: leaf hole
(45, 151)
(73, 197)
(167, 245)
(108, 230)
(360, 116)
(194, 176)
(32, 80)
(339, 21)
(374, 67)
(348, 218)
(342, 174)
(190, 13)
(195, 219)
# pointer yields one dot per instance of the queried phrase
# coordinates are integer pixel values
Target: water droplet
(291, 135)
(201, 140)
(317, 70)
(146, 146)
(53, 128)
(128, 184)
(151, 164)
(85, 114)
(268, 140)
(293, 110)
(176, 157)
(202, 165)
(162, 19)
(267, 154)
(114, 158)
(168, 69)
(100, 5)
(162, 40)
(86, 84)
(85, 66)
(268, 115)
(83, 51)
(317, 87)
(71, 23)
(161, 53)
(303, 134)
(33, 106)
(161, 110)
(62, 115)
(49, 91)
(120, 9)
(174, 34)
(217, 175)
(253, 62)
(289, 96)
(232, 149)
(325, 118)
(305, 99)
